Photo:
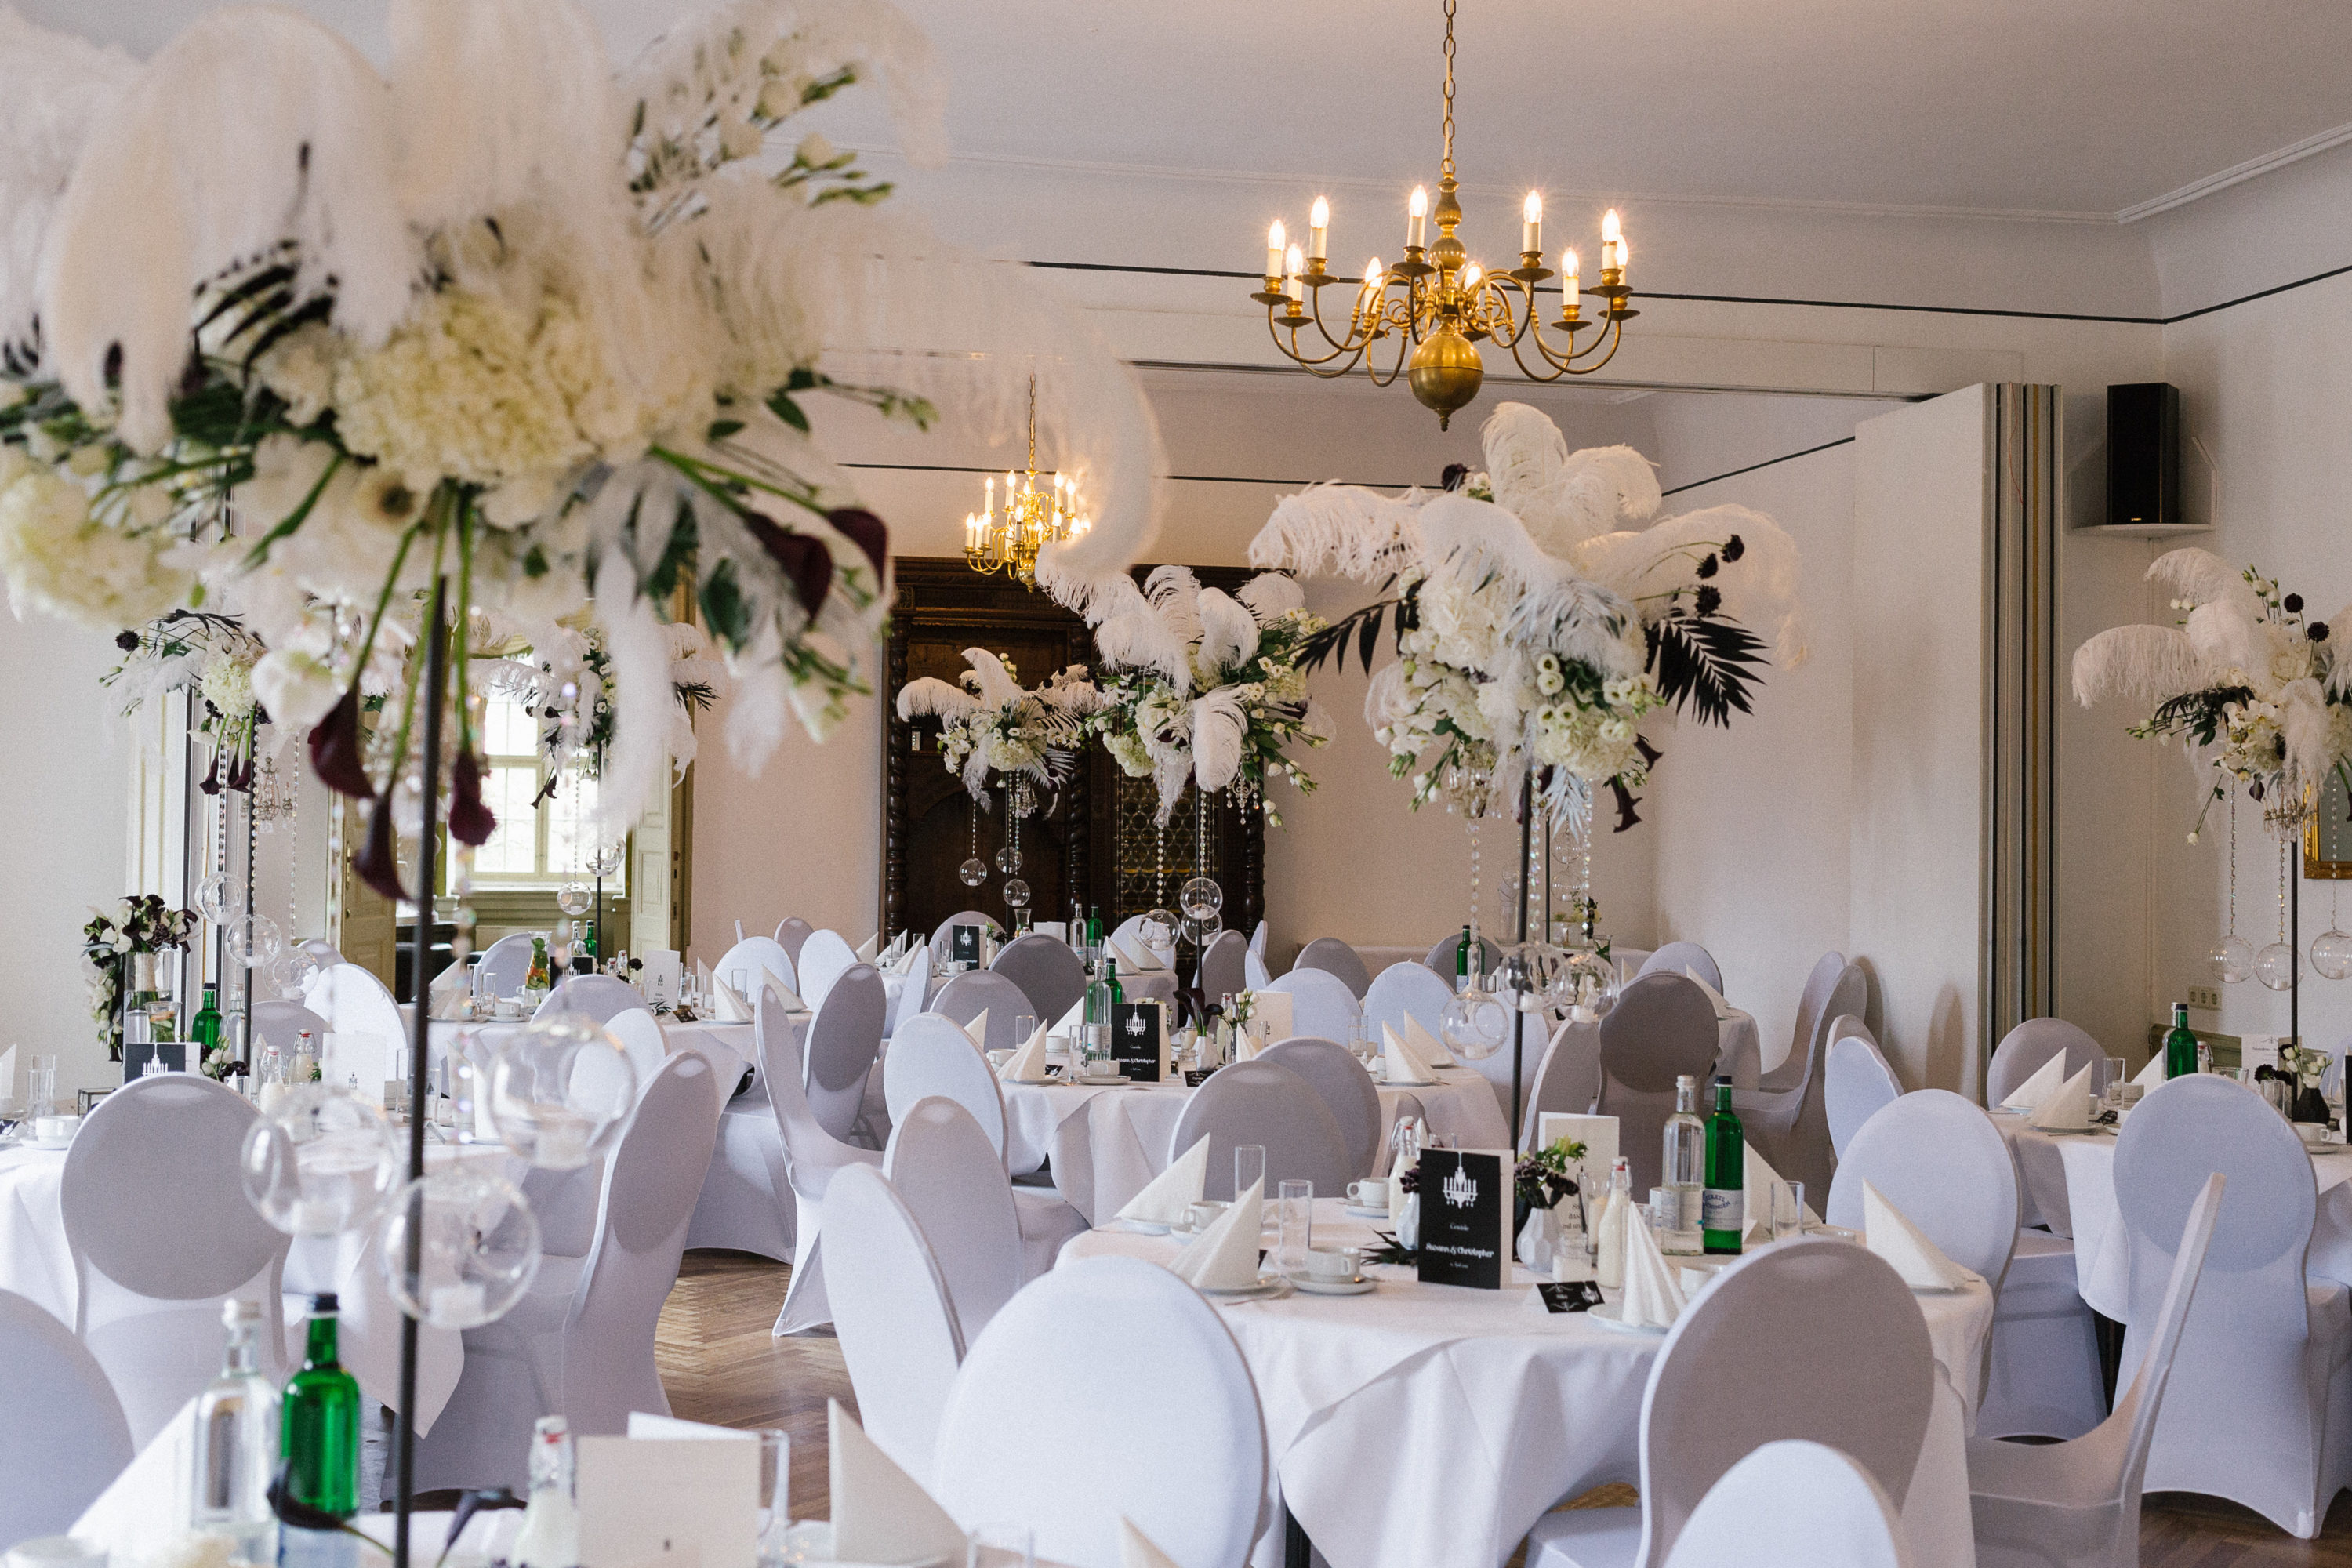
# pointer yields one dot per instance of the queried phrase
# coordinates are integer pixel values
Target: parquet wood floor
(720, 1364)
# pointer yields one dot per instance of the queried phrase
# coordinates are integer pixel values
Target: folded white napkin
(2036, 1089)
(879, 1513)
(785, 995)
(1274, 1009)
(1136, 1549)
(1400, 1063)
(1426, 1046)
(1892, 1236)
(978, 1029)
(2151, 1075)
(1225, 1255)
(1245, 1040)
(1169, 1198)
(905, 963)
(1760, 1178)
(1715, 998)
(7, 1075)
(1071, 1023)
(1652, 1299)
(870, 949)
(2068, 1105)
(732, 1007)
(702, 977)
(1027, 1065)
(1137, 956)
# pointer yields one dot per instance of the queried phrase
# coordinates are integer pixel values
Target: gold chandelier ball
(1445, 373)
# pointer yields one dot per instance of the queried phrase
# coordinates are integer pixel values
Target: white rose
(816, 151)
(297, 687)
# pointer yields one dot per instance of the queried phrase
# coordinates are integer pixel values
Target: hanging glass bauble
(574, 900)
(2233, 959)
(2331, 954)
(1588, 987)
(478, 1247)
(1201, 898)
(1158, 929)
(1016, 893)
(319, 1161)
(1532, 976)
(559, 1090)
(1008, 860)
(2278, 966)
(606, 859)
(292, 970)
(1202, 931)
(1475, 1025)
(254, 942)
(973, 871)
(219, 896)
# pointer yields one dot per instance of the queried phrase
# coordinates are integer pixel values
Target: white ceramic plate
(1102, 1080)
(1408, 1083)
(2072, 1132)
(1264, 1291)
(1142, 1226)
(1609, 1317)
(1314, 1286)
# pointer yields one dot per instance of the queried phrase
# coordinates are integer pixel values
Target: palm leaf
(1705, 664)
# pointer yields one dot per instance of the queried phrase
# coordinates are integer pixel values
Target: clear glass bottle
(549, 1536)
(1724, 1208)
(235, 1446)
(1683, 1170)
(1609, 1225)
(1103, 998)
(318, 1441)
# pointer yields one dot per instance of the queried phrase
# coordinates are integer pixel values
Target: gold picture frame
(2328, 837)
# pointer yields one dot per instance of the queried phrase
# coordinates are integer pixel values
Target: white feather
(2227, 636)
(1343, 530)
(1759, 589)
(61, 89)
(1562, 499)
(997, 687)
(2307, 725)
(761, 704)
(931, 698)
(1271, 596)
(643, 699)
(2147, 664)
(2198, 576)
(1218, 726)
(1228, 631)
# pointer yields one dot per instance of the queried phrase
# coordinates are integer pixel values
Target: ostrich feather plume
(1228, 630)
(1270, 595)
(1760, 590)
(1218, 726)
(637, 764)
(60, 90)
(1345, 531)
(2146, 664)
(997, 688)
(2196, 575)
(1562, 499)
(931, 698)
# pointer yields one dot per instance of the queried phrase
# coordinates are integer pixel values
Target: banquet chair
(504, 965)
(319, 948)
(2024, 1049)
(1320, 1004)
(843, 1039)
(1222, 971)
(752, 954)
(355, 1002)
(160, 1233)
(1662, 1028)
(2077, 1502)
(1440, 961)
(1255, 975)
(893, 1312)
(565, 1202)
(951, 1180)
(1172, 1440)
(596, 997)
(965, 996)
(1942, 1162)
(1682, 958)
(640, 1034)
(812, 1155)
(792, 932)
(281, 1023)
(826, 957)
(1403, 989)
(944, 937)
(1792, 1504)
(1857, 1082)
(1786, 1114)
(1048, 970)
(2261, 1395)
(1333, 957)
(1266, 1104)
(914, 991)
(1567, 1078)
(1812, 1339)
(933, 1057)
(579, 1343)
(1346, 1089)
(65, 1439)
(747, 1203)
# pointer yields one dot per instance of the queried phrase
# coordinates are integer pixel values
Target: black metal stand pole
(420, 1032)
(2294, 943)
(1518, 1014)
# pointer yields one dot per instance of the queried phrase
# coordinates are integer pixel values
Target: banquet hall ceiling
(2088, 108)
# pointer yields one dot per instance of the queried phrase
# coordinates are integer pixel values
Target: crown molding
(2237, 174)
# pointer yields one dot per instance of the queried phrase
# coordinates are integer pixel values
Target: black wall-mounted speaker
(2144, 456)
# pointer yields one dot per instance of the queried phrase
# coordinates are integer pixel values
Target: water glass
(2112, 1090)
(1000, 1546)
(775, 1498)
(41, 1092)
(1787, 1210)
(1295, 1225)
(1024, 1025)
(740, 979)
(1249, 1167)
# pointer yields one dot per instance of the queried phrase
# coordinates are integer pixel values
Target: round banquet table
(1431, 1425)
(2069, 1182)
(1106, 1143)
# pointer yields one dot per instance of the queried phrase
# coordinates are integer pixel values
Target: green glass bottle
(1724, 1206)
(318, 1428)
(1461, 963)
(206, 1028)
(2181, 1044)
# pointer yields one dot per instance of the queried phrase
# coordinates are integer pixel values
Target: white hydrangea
(59, 560)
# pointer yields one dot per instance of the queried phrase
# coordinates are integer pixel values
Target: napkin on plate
(1225, 1255)
(870, 949)
(2150, 1076)
(1890, 1234)
(733, 1009)
(1399, 1064)
(905, 963)
(978, 1030)
(1136, 1549)
(1027, 1065)
(1070, 1025)
(785, 994)
(1759, 1179)
(2036, 1090)
(1426, 1046)
(879, 1513)
(1652, 1299)
(2068, 1105)
(1169, 1198)
(1714, 997)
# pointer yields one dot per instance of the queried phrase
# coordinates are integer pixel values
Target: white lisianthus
(298, 687)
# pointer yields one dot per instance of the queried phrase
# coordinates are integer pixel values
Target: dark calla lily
(379, 862)
(210, 784)
(335, 749)
(866, 531)
(470, 822)
(805, 560)
(240, 771)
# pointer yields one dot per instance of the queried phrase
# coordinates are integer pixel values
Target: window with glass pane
(537, 840)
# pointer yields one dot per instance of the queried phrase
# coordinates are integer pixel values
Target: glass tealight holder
(1475, 1025)
(561, 1088)
(478, 1247)
(319, 1161)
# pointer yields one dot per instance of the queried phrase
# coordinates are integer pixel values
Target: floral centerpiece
(1542, 612)
(565, 682)
(991, 726)
(1208, 687)
(118, 947)
(211, 656)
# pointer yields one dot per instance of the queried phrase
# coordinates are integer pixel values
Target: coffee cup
(1330, 1264)
(55, 1129)
(1372, 1192)
(1205, 1213)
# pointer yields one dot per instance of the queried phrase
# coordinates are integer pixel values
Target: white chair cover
(580, 1344)
(1792, 1504)
(1320, 1004)
(914, 992)
(504, 965)
(1263, 1103)
(811, 1157)
(1813, 1339)
(355, 1003)
(281, 1023)
(952, 1180)
(1222, 974)
(932, 1058)
(1813, 1014)
(790, 933)
(1676, 957)
(826, 957)
(1049, 972)
(753, 954)
(943, 938)
(160, 1233)
(892, 1310)
(1257, 940)
(1567, 1078)
(2258, 1409)
(844, 1039)
(1335, 957)
(966, 995)
(1788, 1116)
(2024, 1049)
(1661, 1027)
(319, 948)
(65, 1439)
(747, 1203)
(1253, 971)
(1440, 961)
(596, 997)
(640, 1034)
(1858, 1083)
(2076, 1504)
(1346, 1089)
(1172, 1440)
(1403, 989)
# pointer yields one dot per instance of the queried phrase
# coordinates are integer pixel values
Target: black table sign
(1135, 1041)
(964, 946)
(137, 1055)
(1575, 1296)
(1465, 1218)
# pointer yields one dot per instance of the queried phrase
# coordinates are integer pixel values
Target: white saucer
(1363, 1213)
(1142, 1226)
(1609, 1317)
(52, 1144)
(1407, 1082)
(1264, 1291)
(1314, 1286)
(1100, 1079)
(2072, 1131)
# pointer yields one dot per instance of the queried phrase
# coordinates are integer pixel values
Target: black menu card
(136, 1055)
(964, 946)
(1135, 1041)
(1465, 1218)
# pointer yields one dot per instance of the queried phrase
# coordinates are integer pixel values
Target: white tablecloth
(2069, 1185)
(722, 1043)
(1429, 1426)
(1106, 1144)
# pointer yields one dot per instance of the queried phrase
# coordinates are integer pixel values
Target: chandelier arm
(1350, 351)
(1340, 345)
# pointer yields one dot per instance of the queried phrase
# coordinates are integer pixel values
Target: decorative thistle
(990, 726)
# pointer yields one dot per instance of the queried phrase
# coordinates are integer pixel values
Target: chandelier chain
(1032, 420)
(1447, 164)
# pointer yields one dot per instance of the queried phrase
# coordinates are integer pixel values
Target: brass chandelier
(1035, 515)
(1437, 303)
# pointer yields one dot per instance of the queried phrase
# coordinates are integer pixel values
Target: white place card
(668, 1502)
(1272, 1010)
